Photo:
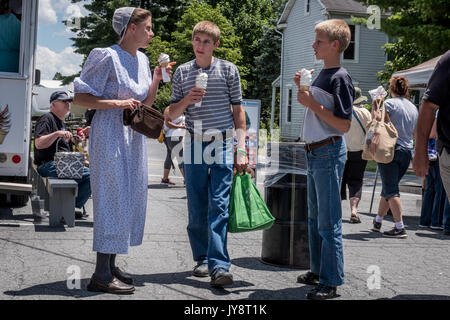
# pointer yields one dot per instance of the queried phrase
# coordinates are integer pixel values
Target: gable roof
(419, 75)
(336, 6)
(349, 6)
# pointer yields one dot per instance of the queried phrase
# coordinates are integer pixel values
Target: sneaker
(436, 228)
(308, 278)
(322, 292)
(376, 226)
(423, 226)
(396, 233)
(446, 232)
(221, 278)
(201, 270)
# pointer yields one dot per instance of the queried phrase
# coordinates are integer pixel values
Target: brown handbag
(145, 120)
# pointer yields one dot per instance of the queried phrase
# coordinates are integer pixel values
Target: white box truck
(16, 91)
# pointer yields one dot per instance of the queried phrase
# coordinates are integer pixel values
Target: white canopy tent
(419, 75)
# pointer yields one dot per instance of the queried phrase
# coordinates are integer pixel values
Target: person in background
(174, 133)
(50, 136)
(437, 96)
(9, 39)
(403, 115)
(355, 165)
(433, 204)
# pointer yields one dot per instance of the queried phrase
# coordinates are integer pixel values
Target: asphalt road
(38, 262)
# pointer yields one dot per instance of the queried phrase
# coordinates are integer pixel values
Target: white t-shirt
(354, 138)
(171, 132)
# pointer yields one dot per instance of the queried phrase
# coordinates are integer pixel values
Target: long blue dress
(117, 154)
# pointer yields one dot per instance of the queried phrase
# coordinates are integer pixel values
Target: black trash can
(286, 243)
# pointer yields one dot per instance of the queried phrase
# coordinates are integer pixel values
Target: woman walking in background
(355, 165)
(173, 137)
(403, 115)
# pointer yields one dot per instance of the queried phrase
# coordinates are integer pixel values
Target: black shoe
(446, 232)
(308, 278)
(396, 233)
(81, 215)
(376, 226)
(114, 286)
(201, 270)
(221, 278)
(122, 276)
(322, 292)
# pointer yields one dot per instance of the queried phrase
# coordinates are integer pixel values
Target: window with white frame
(307, 7)
(351, 54)
(289, 105)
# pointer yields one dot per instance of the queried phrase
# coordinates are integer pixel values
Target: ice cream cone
(2, 136)
(201, 81)
(164, 61)
(305, 80)
(304, 87)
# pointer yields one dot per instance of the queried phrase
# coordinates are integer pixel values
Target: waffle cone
(304, 87)
(2, 136)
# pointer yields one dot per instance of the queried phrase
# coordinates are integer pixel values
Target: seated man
(50, 129)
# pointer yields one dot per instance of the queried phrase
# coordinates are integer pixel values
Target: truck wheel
(19, 200)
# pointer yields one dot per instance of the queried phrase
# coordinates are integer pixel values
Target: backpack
(381, 138)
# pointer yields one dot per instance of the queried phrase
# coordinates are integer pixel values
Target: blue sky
(54, 47)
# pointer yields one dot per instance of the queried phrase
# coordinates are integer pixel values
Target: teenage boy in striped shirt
(209, 137)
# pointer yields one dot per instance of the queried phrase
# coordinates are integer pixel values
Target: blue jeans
(446, 215)
(208, 187)
(325, 169)
(48, 169)
(431, 212)
(391, 173)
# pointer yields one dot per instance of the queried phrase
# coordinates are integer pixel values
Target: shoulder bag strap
(357, 119)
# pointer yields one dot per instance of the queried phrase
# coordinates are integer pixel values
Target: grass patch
(371, 166)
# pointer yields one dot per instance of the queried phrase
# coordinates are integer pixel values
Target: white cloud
(60, 5)
(66, 62)
(49, 10)
(46, 12)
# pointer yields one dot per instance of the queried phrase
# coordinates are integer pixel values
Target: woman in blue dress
(114, 79)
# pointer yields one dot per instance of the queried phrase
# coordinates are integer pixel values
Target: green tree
(180, 47)
(255, 23)
(420, 29)
(229, 43)
(58, 76)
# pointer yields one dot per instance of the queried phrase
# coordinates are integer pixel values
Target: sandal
(167, 181)
(355, 219)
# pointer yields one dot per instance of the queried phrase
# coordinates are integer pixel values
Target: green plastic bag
(248, 211)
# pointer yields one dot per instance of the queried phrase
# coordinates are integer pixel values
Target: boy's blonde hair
(209, 28)
(335, 29)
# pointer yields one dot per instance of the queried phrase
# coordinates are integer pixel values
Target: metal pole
(373, 192)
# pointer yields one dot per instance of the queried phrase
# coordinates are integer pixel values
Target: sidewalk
(37, 261)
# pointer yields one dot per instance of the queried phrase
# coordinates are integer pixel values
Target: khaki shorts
(444, 165)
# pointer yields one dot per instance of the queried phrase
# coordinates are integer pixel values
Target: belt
(206, 137)
(314, 145)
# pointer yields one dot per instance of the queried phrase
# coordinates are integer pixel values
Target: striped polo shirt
(222, 92)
